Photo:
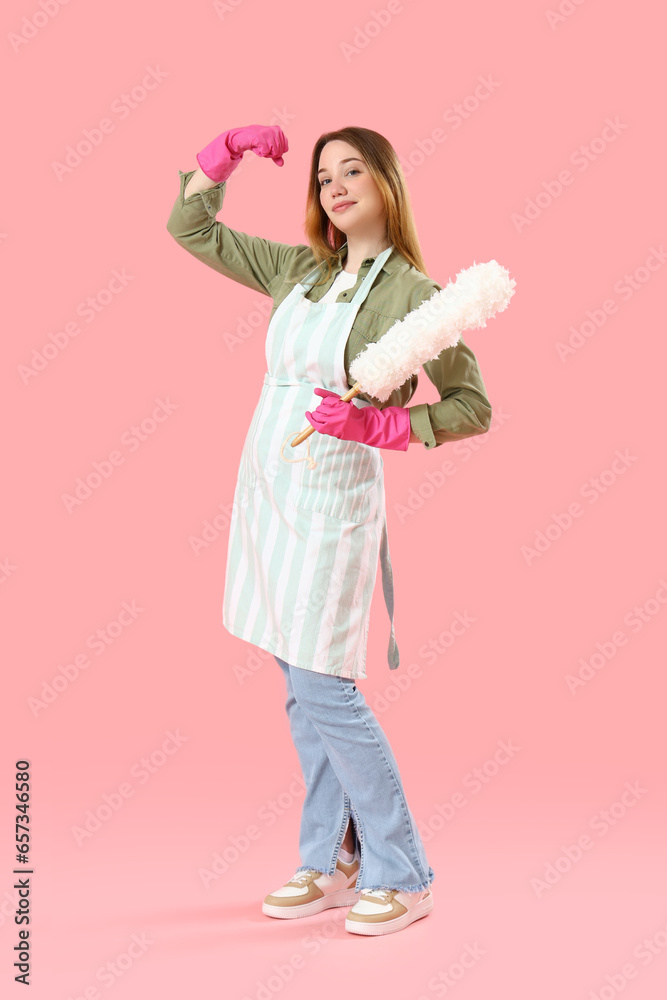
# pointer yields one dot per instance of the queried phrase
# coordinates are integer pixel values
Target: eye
(352, 170)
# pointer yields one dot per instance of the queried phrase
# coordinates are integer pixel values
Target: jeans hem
(313, 868)
(417, 887)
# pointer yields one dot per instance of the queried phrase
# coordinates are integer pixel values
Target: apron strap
(306, 281)
(388, 590)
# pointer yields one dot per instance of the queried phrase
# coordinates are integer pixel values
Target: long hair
(324, 238)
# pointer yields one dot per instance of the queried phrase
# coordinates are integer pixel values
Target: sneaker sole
(420, 909)
(344, 897)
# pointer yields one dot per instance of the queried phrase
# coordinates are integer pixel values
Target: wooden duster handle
(356, 388)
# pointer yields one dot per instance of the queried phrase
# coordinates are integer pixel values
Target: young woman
(308, 522)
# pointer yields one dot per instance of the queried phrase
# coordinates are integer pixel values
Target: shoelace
(302, 876)
(384, 894)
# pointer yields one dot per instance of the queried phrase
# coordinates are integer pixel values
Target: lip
(342, 204)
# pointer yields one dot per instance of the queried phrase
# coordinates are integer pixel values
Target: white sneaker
(382, 911)
(311, 891)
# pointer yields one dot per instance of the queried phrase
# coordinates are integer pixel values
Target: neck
(358, 248)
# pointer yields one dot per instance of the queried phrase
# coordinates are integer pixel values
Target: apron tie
(388, 590)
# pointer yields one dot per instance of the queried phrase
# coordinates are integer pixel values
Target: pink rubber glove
(221, 157)
(388, 428)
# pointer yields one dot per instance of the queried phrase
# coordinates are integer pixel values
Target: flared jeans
(350, 772)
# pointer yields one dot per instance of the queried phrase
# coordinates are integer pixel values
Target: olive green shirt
(274, 268)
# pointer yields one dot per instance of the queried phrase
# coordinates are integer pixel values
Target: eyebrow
(324, 169)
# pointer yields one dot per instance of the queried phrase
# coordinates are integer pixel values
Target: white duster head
(477, 294)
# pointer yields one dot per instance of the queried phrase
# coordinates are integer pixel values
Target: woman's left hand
(388, 428)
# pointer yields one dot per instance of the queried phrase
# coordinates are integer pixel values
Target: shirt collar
(391, 264)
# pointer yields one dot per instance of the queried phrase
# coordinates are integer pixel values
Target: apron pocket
(343, 508)
(344, 483)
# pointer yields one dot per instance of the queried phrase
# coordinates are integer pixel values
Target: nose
(336, 187)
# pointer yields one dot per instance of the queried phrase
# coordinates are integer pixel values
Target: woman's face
(344, 177)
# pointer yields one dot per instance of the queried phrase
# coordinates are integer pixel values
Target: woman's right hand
(221, 157)
(265, 140)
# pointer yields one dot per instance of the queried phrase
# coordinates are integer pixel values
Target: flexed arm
(219, 159)
(250, 260)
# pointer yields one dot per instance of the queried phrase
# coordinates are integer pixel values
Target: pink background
(596, 591)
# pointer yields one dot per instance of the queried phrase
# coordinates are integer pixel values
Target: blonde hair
(324, 238)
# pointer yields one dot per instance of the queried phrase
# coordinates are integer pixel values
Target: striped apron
(304, 541)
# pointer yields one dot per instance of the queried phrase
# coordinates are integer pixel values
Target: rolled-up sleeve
(463, 410)
(250, 260)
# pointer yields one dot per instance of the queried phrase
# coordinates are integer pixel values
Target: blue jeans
(350, 771)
